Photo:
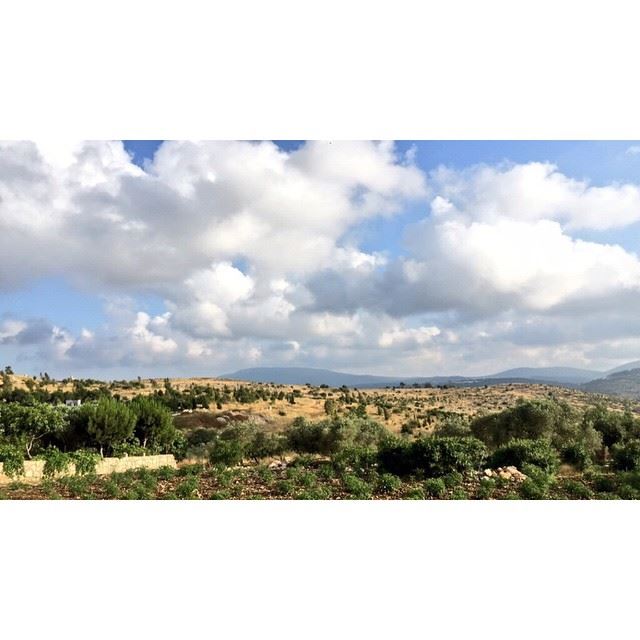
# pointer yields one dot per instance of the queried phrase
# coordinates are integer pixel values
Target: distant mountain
(621, 380)
(624, 383)
(565, 375)
(302, 375)
(624, 367)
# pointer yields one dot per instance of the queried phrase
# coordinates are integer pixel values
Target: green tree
(30, 426)
(154, 423)
(110, 423)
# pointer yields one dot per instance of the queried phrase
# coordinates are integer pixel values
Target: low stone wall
(34, 469)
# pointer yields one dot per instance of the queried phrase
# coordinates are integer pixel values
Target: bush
(531, 420)
(435, 487)
(521, 451)
(361, 460)
(537, 484)
(626, 457)
(334, 435)
(12, 460)
(85, 461)
(226, 452)
(188, 488)
(356, 487)
(577, 455)
(576, 490)
(433, 456)
(388, 483)
(55, 462)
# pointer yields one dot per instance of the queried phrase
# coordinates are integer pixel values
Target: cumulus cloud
(251, 249)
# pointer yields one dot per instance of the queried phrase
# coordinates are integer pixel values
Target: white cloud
(253, 251)
(533, 191)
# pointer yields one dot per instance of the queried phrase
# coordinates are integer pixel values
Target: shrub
(522, 451)
(577, 455)
(605, 483)
(188, 488)
(55, 462)
(361, 460)
(388, 483)
(486, 488)
(335, 434)
(12, 460)
(85, 461)
(576, 489)
(531, 419)
(356, 487)
(537, 484)
(435, 487)
(626, 457)
(432, 456)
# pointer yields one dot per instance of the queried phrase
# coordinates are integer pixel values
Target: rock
(488, 473)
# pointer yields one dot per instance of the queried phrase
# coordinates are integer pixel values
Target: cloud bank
(251, 250)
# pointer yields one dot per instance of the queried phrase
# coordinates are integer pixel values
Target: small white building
(73, 403)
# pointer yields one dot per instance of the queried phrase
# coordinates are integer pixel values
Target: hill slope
(624, 383)
(568, 375)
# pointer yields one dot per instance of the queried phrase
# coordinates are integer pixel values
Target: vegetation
(256, 441)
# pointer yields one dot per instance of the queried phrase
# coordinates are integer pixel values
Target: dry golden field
(427, 406)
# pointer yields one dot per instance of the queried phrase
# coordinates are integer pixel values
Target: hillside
(624, 383)
(566, 375)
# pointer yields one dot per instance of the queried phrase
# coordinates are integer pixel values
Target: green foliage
(12, 459)
(56, 462)
(356, 487)
(454, 425)
(487, 488)
(613, 426)
(226, 452)
(188, 488)
(537, 484)
(387, 483)
(32, 426)
(85, 461)
(433, 456)
(360, 460)
(154, 426)
(545, 419)
(626, 456)
(577, 455)
(335, 434)
(519, 452)
(264, 445)
(110, 423)
(435, 487)
(575, 489)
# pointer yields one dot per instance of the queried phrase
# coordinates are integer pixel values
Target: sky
(126, 258)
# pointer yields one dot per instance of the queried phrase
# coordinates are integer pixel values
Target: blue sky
(387, 250)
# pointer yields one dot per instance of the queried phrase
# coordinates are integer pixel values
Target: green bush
(335, 434)
(435, 487)
(387, 483)
(356, 487)
(576, 454)
(626, 456)
(12, 460)
(538, 483)
(188, 488)
(531, 420)
(433, 456)
(521, 451)
(84, 461)
(226, 452)
(575, 489)
(56, 462)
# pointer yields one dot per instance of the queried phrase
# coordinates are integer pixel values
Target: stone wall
(34, 469)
